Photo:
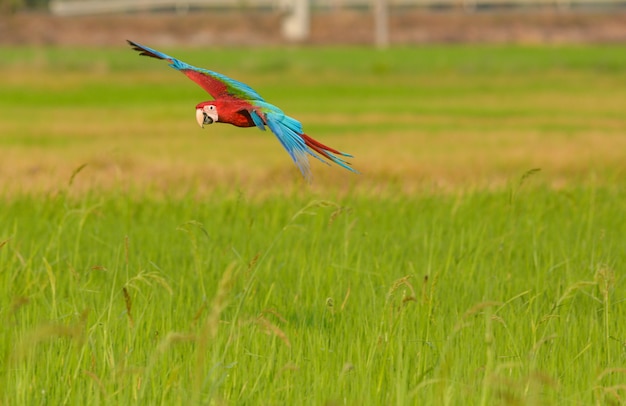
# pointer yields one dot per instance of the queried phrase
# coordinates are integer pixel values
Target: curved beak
(200, 117)
(206, 116)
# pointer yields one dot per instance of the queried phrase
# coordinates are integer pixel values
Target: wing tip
(145, 51)
(135, 46)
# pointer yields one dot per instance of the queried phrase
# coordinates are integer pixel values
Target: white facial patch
(211, 112)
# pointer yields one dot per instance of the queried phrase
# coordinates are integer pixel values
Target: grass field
(477, 259)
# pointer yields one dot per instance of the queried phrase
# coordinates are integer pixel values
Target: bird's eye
(211, 107)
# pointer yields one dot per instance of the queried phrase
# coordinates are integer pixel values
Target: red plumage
(231, 111)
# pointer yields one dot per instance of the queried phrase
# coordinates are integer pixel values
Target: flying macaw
(238, 104)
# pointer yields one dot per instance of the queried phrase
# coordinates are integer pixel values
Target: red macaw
(238, 104)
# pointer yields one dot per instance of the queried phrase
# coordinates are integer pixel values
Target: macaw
(238, 104)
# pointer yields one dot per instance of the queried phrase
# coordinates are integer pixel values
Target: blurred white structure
(296, 13)
(381, 23)
(82, 7)
(76, 7)
(296, 23)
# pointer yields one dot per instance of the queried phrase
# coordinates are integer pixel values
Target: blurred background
(254, 22)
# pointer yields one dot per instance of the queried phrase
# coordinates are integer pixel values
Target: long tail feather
(289, 132)
(327, 152)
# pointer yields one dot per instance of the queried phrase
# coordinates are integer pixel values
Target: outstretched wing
(216, 84)
(299, 145)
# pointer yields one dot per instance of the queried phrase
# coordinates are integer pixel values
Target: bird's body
(238, 104)
(233, 112)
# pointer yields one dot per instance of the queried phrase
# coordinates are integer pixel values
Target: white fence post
(381, 23)
(297, 22)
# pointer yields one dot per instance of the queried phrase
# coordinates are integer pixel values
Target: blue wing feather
(258, 121)
(292, 142)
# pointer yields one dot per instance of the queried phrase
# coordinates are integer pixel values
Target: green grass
(458, 115)
(187, 267)
(473, 298)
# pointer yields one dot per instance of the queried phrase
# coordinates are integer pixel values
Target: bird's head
(206, 113)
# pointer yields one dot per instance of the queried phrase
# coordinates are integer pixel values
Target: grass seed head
(128, 302)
